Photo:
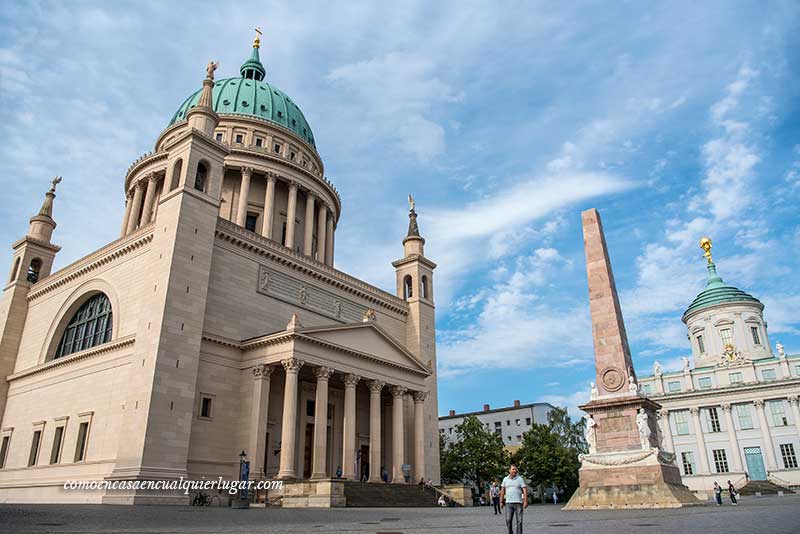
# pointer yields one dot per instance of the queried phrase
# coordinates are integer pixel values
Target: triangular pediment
(368, 339)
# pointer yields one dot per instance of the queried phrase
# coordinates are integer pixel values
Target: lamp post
(244, 475)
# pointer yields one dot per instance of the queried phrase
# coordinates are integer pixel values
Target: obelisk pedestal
(625, 467)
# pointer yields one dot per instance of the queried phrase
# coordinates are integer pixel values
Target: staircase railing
(779, 481)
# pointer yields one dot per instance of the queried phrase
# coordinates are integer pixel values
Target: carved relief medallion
(613, 379)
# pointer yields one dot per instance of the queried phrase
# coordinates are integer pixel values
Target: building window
(754, 332)
(219, 136)
(239, 139)
(423, 286)
(519, 438)
(90, 326)
(727, 336)
(528, 421)
(205, 407)
(674, 386)
(768, 374)
(80, 446)
(797, 370)
(34, 455)
(55, 454)
(778, 413)
(4, 451)
(682, 423)
(509, 438)
(277, 148)
(704, 382)
(647, 389)
(735, 378)
(789, 458)
(259, 142)
(33, 270)
(712, 420)
(408, 287)
(450, 431)
(720, 461)
(687, 458)
(700, 344)
(518, 422)
(291, 156)
(176, 174)
(200, 177)
(508, 422)
(250, 221)
(745, 417)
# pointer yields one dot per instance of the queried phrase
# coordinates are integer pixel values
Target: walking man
(494, 493)
(732, 492)
(514, 496)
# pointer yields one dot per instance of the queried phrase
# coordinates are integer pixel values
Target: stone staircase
(765, 487)
(376, 495)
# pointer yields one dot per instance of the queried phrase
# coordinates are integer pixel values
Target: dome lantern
(252, 69)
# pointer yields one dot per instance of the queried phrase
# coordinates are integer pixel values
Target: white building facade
(509, 422)
(734, 414)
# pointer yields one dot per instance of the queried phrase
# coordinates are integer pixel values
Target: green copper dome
(250, 95)
(717, 292)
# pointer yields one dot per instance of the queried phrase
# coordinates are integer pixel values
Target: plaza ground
(773, 515)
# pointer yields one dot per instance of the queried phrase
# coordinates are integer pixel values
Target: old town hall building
(216, 323)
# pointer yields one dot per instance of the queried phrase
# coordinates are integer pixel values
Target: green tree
(549, 452)
(477, 456)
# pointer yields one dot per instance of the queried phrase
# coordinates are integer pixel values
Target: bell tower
(32, 260)
(414, 274)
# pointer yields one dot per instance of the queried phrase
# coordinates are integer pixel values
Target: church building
(216, 323)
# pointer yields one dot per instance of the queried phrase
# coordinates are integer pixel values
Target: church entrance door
(755, 463)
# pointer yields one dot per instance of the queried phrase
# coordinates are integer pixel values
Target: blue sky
(505, 120)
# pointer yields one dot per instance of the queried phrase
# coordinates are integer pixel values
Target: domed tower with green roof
(725, 322)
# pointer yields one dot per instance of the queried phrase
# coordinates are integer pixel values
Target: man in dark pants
(494, 493)
(514, 496)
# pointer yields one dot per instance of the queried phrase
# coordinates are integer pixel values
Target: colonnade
(140, 204)
(288, 462)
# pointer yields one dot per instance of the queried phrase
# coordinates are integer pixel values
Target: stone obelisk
(625, 467)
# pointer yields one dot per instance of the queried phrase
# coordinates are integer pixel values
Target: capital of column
(323, 373)
(140, 183)
(419, 396)
(398, 391)
(726, 407)
(129, 193)
(271, 176)
(152, 177)
(375, 386)
(351, 380)
(694, 410)
(759, 404)
(247, 170)
(262, 371)
(292, 365)
(663, 412)
(293, 185)
(794, 400)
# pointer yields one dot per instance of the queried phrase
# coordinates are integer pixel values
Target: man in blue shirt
(514, 496)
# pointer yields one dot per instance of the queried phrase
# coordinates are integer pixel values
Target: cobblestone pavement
(772, 515)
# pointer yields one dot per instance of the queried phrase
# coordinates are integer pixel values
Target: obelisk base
(630, 479)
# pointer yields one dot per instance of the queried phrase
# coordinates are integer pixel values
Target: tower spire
(252, 68)
(413, 243)
(42, 224)
(202, 117)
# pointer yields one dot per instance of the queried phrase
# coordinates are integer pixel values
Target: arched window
(408, 287)
(88, 327)
(200, 177)
(33, 270)
(423, 287)
(15, 270)
(176, 174)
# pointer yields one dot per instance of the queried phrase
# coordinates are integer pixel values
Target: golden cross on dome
(705, 244)
(257, 40)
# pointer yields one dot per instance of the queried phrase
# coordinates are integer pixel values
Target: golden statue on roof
(705, 244)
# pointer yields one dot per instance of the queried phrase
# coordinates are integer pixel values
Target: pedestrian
(339, 471)
(384, 475)
(732, 492)
(421, 482)
(514, 496)
(494, 493)
(555, 496)
(718, 494)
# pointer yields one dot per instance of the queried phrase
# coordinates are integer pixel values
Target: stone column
(419, 436)
(147, 211)
(126, 217)
(769, 449)
(398, 439)
(291, 215)
(258, 418)
(244, 194)
(322, 214)
(319, 467)
(666, 430)
(289, 421)
(136, 209)
(733, 442)
(375, 388)
(309, 224)
(349, 438)
(701, 441)
(794, 403)
(269, 207)
(329, 241)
